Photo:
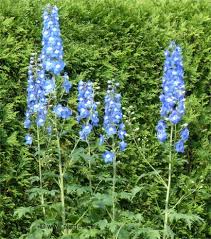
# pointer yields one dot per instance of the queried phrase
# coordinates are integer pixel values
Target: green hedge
(122, 40)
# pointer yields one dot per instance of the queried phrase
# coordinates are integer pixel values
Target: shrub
(124, 40)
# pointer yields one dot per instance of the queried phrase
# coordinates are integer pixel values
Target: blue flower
(87, 108)
(184, 134)
(94, 118)
(28, 139)
(108, 156)
(27, 123)
(58, 110)
(173, 85)
(62, 112)
(162, 136)
(121, 133)
(101, 140)
(41, 81)
(161, 131)
(40, 106)
(66, 84)
(113, 124)
(111, 130)
(85, 131)
(179, 146)
(41, 117)
(173, 95)
(122, 145)
(49, 86)
(66, 113)
(36, 94)
(174, 117)
(31, 94)
(52, 51)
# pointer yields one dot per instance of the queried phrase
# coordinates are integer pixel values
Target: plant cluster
(93, 166)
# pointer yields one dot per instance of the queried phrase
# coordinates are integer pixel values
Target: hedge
(125, 41)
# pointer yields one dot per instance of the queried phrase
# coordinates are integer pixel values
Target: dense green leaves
(108, 39)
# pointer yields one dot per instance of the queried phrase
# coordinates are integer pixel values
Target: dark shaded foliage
(123, 40)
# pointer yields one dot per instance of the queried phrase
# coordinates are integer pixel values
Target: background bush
(123, 40)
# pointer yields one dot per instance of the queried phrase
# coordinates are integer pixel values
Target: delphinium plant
(87, 115)
(172, 112)
(47, 86)
(53, 64)
(113, 134)
(36, 110)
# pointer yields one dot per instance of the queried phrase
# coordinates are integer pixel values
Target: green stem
(113, 189)
(117, 235)
(68, 163)
(76, 144)
(113, 214)
(40, 171)
(90, 167)
(61, 175)
(61, 170)
(81, 217)
(114, 193)
(89, 206)
(165, 234)
(150, 165)
(183, 197)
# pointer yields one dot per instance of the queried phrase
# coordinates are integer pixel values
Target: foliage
(103, 40)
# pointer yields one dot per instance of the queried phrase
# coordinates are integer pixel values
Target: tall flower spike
(52, 51)
(41, 101)
(113, 124)
(173, 95)
(31, 94)
(52, 57)
(36, 99)
(87, 108)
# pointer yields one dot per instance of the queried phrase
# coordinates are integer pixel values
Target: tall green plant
(103, 39)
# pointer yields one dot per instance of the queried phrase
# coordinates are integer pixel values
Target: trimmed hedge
(122, 40)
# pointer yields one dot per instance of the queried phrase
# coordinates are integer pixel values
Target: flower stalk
(40, 171)
(166, 215)
(61, 177)
(90, 167)
(114, 190)
(172, 111)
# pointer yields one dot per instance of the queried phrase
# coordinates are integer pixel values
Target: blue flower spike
(113, 118)
(43, 71)
(87, 109)
(172, 96)
(36, 95)
(52, 50)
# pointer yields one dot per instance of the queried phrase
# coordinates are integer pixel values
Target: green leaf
(134, 191)
(102, 200)
(187, 218)
(149, 233)
(23, 211)
(12, 139)
(77, 189)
